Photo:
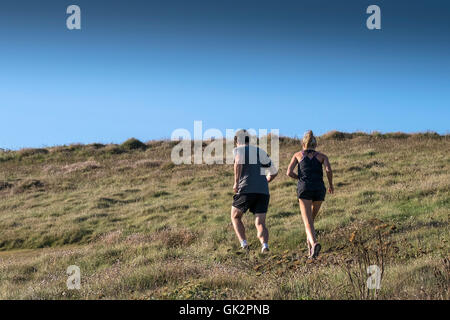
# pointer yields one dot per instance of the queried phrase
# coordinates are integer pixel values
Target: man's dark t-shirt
(254, 160)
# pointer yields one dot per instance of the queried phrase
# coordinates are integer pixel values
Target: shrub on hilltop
(133, 144)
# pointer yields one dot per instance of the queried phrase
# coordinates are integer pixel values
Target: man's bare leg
(236, 220)
(260, 224)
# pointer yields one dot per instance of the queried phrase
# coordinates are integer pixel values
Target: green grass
(140, 227)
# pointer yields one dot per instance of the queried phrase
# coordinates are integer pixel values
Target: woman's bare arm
(290, 171)
(327, 165)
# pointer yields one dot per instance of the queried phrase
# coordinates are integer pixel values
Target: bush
(133, 144)
(113, 149)
(31, 152)
(96, 145)
(7, 155)
(428, 134)
(337, 135)
(396, 135)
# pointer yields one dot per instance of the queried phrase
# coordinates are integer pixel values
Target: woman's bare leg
(306, 210)
(315, 209)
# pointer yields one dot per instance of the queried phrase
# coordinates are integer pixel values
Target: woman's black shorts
(256, 202)
(314, 195)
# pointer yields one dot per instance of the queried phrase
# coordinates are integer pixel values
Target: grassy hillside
(140, 227)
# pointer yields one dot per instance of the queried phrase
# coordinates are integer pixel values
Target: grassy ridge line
(134, 144)
(140, 227)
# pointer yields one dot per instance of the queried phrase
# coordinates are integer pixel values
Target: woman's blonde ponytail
(309, 140)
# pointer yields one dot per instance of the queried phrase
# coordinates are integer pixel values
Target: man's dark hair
(242, 137)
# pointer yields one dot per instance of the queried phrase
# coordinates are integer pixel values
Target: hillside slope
(140, 227)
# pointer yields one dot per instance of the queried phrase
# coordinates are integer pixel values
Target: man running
(251, 188)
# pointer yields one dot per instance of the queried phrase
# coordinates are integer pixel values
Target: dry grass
(139, 227)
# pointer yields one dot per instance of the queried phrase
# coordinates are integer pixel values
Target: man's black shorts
(256, 202)
(316, 195)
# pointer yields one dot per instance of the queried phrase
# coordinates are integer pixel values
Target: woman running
(310, 188)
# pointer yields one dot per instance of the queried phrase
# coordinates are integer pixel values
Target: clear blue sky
(144, 68)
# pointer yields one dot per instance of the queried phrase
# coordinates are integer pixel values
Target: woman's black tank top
(310, 174)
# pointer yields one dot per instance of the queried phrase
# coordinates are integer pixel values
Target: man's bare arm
(273, 172)
(270, 177)
(237, 173)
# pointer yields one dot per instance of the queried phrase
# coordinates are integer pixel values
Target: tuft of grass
(29, 185)
(5, 185)
(158, 194)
